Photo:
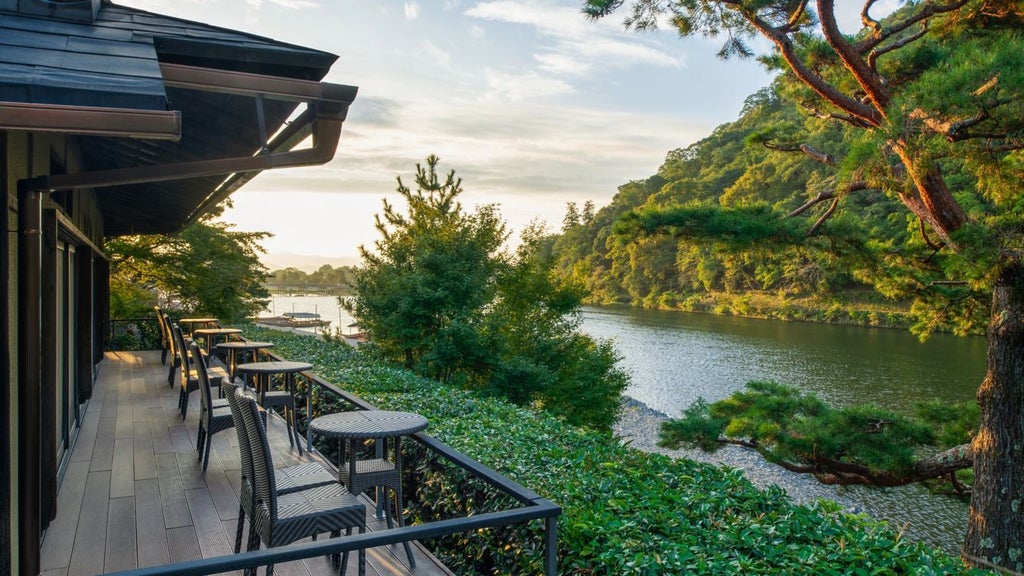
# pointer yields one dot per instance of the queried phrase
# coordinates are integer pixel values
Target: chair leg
(199, 441)
(238, 530)
(206, 451)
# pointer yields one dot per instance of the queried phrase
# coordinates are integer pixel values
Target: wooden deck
(135, 495)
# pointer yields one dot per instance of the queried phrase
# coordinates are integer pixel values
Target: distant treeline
(325, 279)
(742, 164)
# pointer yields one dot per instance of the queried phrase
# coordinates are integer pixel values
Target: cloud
(374, 111)
(288, 4)
(412, 10)
(476, 31)
(574, 45)
(437, 55)
(507, 87)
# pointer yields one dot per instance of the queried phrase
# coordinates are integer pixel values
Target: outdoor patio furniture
(189, 378)
(382, 472)
(264, 373)
(165, 333)
(280, 519)
(289, 479)
(213, 417)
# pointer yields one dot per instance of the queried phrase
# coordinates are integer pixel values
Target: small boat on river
(296, 320)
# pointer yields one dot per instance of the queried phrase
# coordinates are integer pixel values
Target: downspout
(30, 216)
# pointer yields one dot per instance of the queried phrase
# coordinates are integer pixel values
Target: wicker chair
(165, 334)
(280, 519)
(213, 417)
(189, 378)
(290, 479)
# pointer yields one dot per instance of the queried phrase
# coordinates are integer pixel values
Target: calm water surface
(676, 357)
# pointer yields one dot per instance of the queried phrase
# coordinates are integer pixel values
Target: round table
(380, 472)
(189, 324)
(236, 347)
(263, 372)
(211, 334)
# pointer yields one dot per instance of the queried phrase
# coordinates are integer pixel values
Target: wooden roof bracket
(326, 108)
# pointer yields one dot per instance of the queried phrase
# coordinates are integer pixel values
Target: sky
(531, 104)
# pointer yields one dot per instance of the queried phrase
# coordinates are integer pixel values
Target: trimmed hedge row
(625, 511)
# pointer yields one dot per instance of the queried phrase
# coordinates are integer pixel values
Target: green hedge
(625, 511)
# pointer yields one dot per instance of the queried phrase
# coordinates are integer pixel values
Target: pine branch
(825, 216)
(874, 54)
(926, 12)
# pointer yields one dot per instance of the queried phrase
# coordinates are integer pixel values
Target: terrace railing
(531, 507)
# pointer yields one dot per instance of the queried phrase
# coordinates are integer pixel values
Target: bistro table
(210, 335)
(244, 348)
(381, 472)
(190, 324)
(264, 372)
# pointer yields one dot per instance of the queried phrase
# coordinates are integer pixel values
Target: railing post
(551, 546)
(309, 413)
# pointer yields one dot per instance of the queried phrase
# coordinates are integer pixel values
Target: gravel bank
(638, 426)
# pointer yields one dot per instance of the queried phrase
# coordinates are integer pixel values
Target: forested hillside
(751, 164)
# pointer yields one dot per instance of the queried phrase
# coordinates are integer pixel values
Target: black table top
(244, 345)
(362, 424)
(273, 367)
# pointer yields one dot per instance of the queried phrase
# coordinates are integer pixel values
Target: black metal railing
(533, 507)
(133, 334)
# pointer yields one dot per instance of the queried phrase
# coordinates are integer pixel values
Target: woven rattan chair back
(262, 482)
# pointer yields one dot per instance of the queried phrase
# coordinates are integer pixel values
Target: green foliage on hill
(708, 232)
(625, 512)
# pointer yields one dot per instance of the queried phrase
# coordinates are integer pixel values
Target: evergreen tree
(439, 295)
(932, 98)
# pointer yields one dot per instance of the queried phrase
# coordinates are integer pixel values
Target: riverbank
(638, 426)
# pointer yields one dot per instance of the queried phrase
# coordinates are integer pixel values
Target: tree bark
(995, 531)
(930, 199)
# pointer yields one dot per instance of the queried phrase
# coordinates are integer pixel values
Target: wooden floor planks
(135, 495)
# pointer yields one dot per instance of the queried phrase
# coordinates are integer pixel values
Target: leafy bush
(624, 511)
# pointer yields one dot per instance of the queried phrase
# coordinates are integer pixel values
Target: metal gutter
(327, 107)
(91, 120)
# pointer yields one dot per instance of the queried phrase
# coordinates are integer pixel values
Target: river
(674, 358)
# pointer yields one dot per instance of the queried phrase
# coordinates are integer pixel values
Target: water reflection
(675, 358)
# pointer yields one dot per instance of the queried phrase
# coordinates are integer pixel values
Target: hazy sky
(531, 104)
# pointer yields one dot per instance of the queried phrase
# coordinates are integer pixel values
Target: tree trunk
(995, 531)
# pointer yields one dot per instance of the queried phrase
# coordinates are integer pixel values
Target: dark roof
(114, 62)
